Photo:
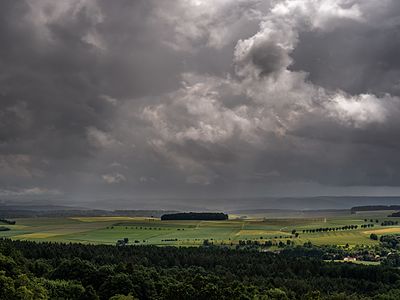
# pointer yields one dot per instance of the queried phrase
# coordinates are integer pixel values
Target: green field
(151, 231)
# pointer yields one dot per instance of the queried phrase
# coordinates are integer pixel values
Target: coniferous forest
(31, 270)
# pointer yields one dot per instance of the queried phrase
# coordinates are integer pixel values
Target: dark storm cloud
(268, 57)
(146, 98)
(356, 57)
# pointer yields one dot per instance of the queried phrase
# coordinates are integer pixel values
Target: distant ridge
(22, 210)
(213, 204)
(375, 207)
(307, 203)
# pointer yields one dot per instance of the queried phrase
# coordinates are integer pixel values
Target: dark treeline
(390, 241)
(395, 214)
(32, 270)
(389, 223)
(5, 221)
(374, 207)
(328, 229)
(209, 216)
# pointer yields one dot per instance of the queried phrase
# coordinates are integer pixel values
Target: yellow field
(383, 231)
(37, 235)
(151, 231)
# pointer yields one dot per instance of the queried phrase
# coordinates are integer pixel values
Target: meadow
(153, 231)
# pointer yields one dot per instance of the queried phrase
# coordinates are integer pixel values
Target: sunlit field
(152, 231)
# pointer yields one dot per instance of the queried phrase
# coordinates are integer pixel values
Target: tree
(7, 290)
(314, 295)
(90, 294)
(277, 294)
(62, 289)
(122, 297)
(118, 284)
(24, 293)
(373, 236)
(76, 269)
(206, 243)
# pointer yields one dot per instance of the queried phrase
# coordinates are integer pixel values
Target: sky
(127, 101)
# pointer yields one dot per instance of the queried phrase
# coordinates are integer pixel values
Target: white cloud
(46, 12)
(113, 178)
(33, 191)
(100, 139)
(214, 22)
(109, 99)
(361, 109)
(319, 14)
(273, 98)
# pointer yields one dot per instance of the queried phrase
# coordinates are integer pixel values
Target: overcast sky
(146, 99)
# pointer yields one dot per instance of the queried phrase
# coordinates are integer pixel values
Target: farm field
(153, 231)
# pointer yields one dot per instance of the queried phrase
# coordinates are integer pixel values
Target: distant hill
(210, 204)
(290, 213)
(374, 208)
(300, 203)
(22, 210)
(157, 207)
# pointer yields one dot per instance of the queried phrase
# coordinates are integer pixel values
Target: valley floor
(153, 231)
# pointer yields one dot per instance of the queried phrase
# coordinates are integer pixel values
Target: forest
(355, 209)
(206, 216)
(31, 270)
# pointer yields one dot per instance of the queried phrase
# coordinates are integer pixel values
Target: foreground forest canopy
(31, 270)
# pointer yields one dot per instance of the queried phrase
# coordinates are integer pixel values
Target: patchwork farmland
(336, 230)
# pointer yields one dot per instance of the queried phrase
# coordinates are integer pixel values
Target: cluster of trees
(371, 220)
(367, 225)
(389, 223)
(390, 241)
(32, 270)
(395, 214)
(196, 216)
(374, 207)
(392, 260)
(5, 221)
(327, 252)
(256, 244)
(3, 228)
(282, 237)
(373, 236)
(334, 252)
(326, 229)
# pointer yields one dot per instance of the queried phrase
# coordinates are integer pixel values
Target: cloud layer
(198, 98)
